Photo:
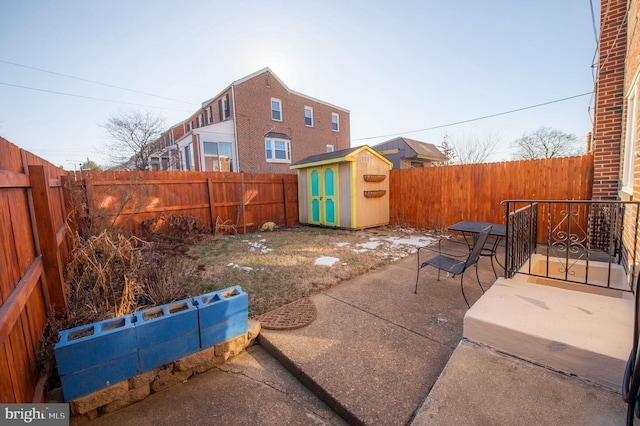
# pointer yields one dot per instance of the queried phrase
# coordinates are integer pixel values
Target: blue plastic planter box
(222, 315)
(166, 333)
(91, 379)
(93, 344)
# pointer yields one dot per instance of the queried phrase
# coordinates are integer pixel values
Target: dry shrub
(163, 280)
(103, 276)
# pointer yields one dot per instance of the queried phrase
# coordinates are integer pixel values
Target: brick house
(616, 117)
(615, 145)
(255, 125)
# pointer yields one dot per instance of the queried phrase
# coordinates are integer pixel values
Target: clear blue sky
(397, 66)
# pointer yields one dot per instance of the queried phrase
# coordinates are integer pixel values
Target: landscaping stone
(231, 347)
(192, 361)
(253, 329)
(97, 399)
(142, 379)
(170, 379)
(133, 395)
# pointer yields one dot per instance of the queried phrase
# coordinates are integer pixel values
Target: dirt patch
(278, 267)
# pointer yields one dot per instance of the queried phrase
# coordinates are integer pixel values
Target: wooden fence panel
(24, 290)
(127, 199)
(437, 197)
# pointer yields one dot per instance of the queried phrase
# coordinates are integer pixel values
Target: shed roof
(342, 155)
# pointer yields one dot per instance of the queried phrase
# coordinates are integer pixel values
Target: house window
(210, 114)
(277, 150)
(276, 109)
(335, 122)
(628, 164)
(218, 157)
(329, 148)
(201, 120)
(189, 127)
(223, 108)
(308, 116)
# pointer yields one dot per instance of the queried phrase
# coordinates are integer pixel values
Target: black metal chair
(455, 264)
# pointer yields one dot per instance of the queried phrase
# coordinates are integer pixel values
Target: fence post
(211, 210)
(48, 242)
(284, 200)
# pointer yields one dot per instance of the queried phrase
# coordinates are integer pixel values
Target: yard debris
(268, 226)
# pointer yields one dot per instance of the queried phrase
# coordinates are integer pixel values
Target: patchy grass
(278, 267)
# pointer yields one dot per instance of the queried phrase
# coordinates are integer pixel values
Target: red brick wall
(609, 99)
(253, 121)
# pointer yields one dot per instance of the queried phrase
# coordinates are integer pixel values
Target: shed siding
(303, 196)
(371, 211)
(346, 206)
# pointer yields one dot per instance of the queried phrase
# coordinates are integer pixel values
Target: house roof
(423, 150)
(342, 155)
(262, 71)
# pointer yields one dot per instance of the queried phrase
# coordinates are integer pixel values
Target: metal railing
(582, 241)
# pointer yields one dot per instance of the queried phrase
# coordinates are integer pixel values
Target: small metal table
(498, 231)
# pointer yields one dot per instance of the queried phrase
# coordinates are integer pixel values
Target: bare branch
(546, 142)
(473, 149)
(131, 133)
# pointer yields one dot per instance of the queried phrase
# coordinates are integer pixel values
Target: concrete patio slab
(252, 388)
(482, 387)
(376, 348)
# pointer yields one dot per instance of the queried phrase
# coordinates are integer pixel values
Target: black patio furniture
(455, 264)
(495, 240)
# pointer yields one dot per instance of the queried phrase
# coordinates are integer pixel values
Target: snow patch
(326, 261)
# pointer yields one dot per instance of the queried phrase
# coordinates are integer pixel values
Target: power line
(593, 21)
(91, 97)
(476, 119)
(96, 82)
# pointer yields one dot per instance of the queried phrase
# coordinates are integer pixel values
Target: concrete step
(579, 333)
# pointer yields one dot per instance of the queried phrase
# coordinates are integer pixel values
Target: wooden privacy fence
(437, 197)
(126, 199)
(34, 249)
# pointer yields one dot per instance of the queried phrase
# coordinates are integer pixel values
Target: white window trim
(305, 116)
(183, 162)
(271, 109)
(273, 158)
(628, 160)
(337, 116)
(330, 148)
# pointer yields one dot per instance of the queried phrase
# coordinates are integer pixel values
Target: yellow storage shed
(344, 189)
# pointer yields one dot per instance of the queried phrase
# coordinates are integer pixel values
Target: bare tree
(546, 142)
(473, 149)
(131, 133)
(447, 149)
